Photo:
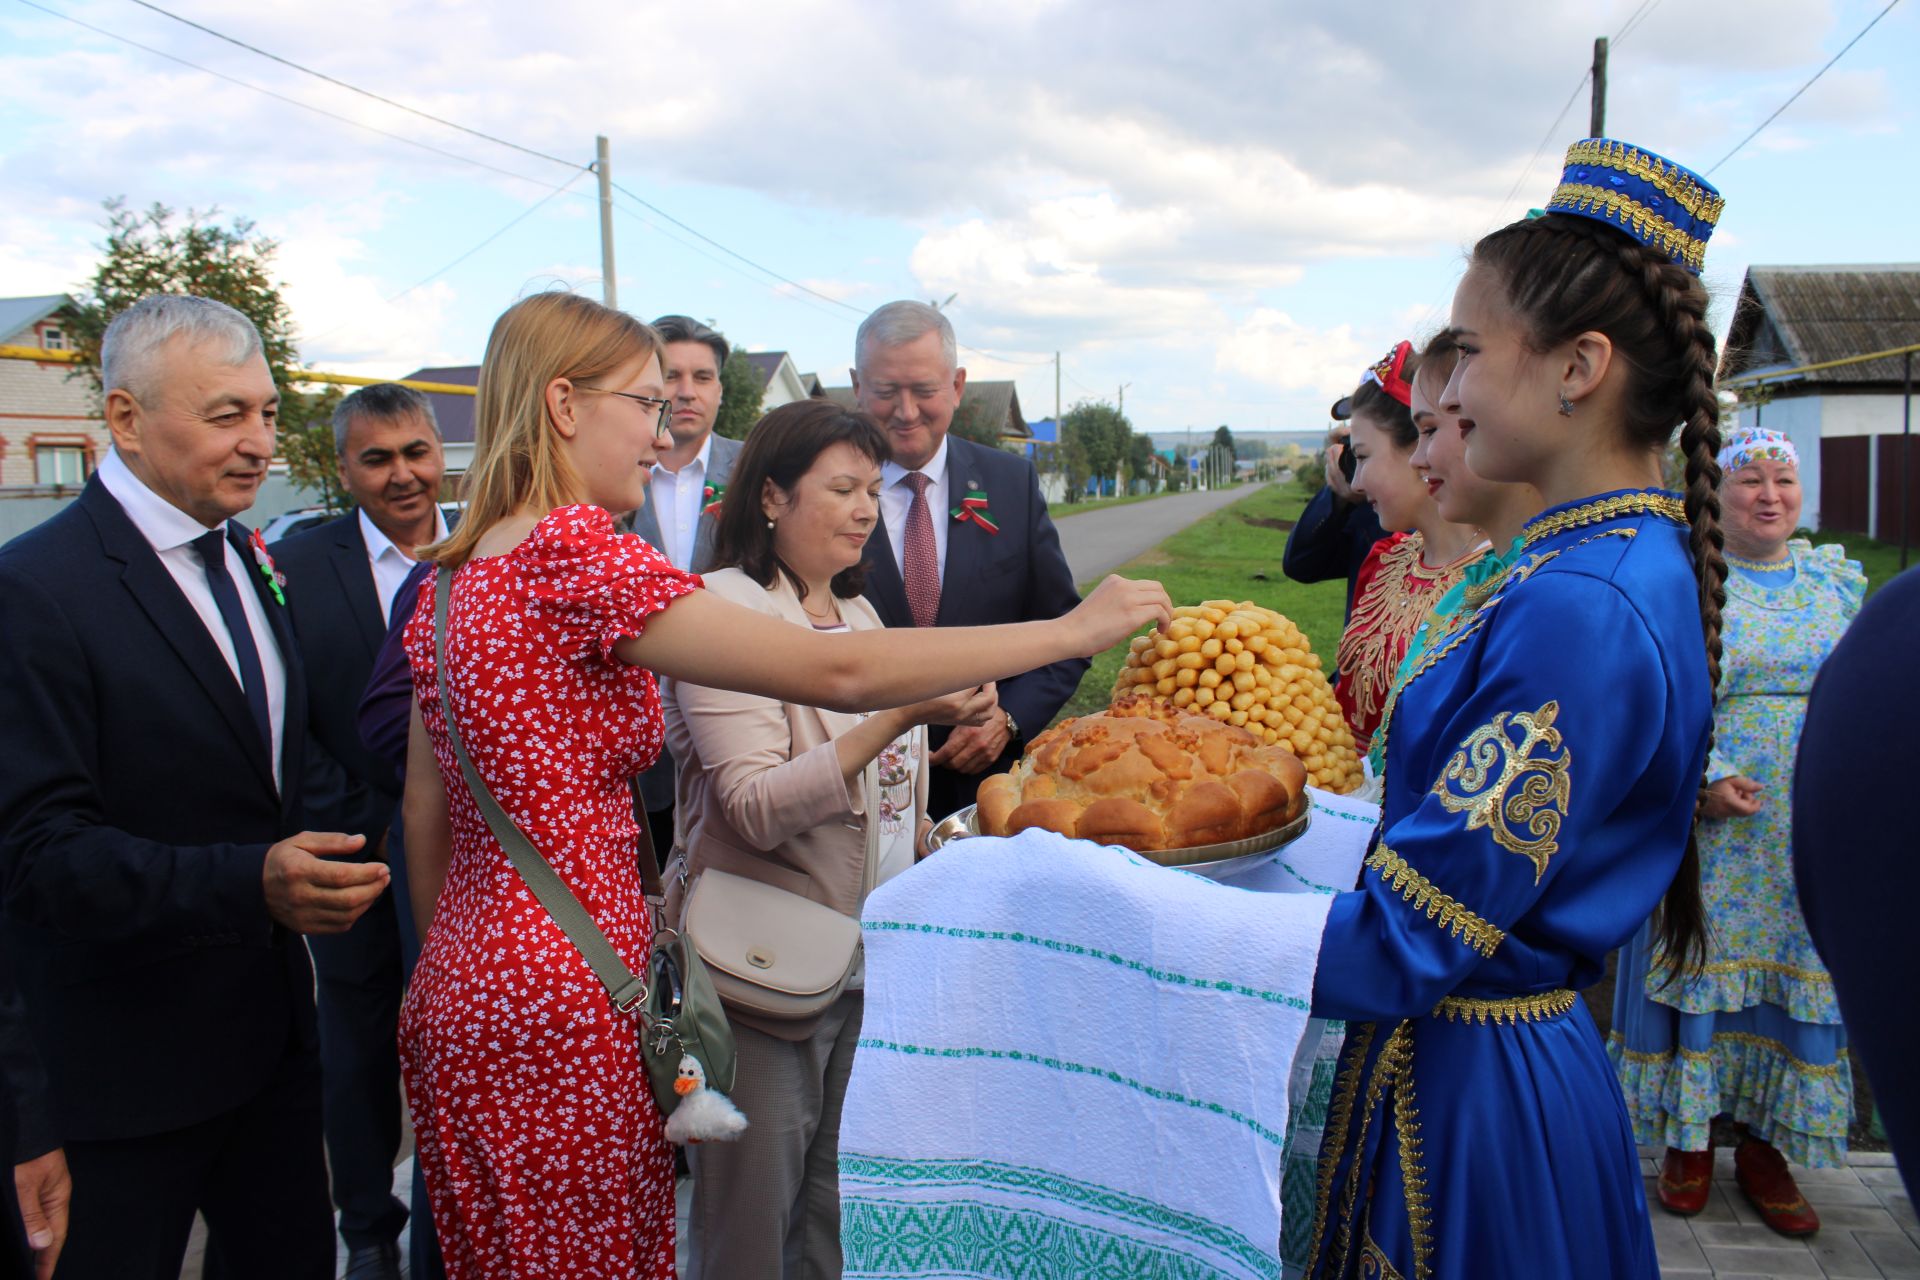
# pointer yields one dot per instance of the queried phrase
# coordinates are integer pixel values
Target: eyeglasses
(662, 408)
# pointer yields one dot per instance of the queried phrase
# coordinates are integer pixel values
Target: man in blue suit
(964, 538)
(157, 880)
(342, 579)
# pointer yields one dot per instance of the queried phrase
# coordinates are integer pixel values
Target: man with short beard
(343, 577)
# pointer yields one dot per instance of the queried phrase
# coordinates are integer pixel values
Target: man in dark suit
(964, 538)
(1337, 530)
(1853, 848)
(342, 578)
(152, 726)
(687, 479)
(38, 1194)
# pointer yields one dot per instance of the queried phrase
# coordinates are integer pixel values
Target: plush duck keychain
(704, 1115)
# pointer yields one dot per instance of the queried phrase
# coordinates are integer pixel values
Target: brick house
(51, 434)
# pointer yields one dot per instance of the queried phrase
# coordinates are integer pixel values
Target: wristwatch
(1013, 729)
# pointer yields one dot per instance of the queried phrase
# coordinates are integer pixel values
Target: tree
(1141, 461)
(974, 420)
(152, 252)
(1223, 436)
(741, 394)
(1100, 434)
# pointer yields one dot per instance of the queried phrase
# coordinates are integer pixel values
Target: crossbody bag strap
(625, 987)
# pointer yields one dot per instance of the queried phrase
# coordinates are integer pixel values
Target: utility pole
(1123, 398)
(608, 293)
(1597, 122)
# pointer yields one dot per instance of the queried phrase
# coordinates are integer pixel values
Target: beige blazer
(760, 791)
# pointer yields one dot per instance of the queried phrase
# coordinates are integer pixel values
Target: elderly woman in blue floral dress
(1756, 1035)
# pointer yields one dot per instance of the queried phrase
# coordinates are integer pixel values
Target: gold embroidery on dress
(1385, 1069)
(1374, 1264)
(1385, 617)
(1767, 966)
(1339, 1118)
(1481, 780)
(1625, 504)
(1417, 889)
(1617, 1044)
(1510, 1011)
(1413, 1175)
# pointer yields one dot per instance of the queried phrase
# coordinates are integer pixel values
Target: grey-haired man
(153, 726)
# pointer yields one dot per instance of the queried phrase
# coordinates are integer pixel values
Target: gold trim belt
(1511, 1011)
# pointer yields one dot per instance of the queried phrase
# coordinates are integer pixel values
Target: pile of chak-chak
(1251, 667)
(1148, 779)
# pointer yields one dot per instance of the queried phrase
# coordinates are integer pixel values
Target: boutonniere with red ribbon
(712, 495)
(264, 562)
(974, 507)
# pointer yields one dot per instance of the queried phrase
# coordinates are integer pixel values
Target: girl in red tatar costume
(1421, 556)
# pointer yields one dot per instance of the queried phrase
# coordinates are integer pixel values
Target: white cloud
(1271, 348)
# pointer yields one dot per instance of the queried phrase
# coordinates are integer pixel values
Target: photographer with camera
(1338, 528)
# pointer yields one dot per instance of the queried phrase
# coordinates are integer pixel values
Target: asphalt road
(1101, 541)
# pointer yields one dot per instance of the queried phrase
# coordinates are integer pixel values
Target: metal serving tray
(1208, 859)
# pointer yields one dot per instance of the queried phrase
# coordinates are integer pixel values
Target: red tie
(920, 559)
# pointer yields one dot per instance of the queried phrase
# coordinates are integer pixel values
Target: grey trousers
(766, 1206)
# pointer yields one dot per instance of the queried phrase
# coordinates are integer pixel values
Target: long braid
(1680, 925)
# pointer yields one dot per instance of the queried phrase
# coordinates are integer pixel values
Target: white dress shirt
(391, 565)
(896, 497)
(171, 533)
(678, 499)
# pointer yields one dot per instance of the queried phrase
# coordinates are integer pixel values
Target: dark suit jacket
(136, 808)
(1853, 847)
(339, 627)
(657, 784)
(1331, 540)
(1016, 575)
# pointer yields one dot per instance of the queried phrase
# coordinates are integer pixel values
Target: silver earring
(1566, 406)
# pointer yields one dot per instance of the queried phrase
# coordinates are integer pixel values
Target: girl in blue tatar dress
(1756, 1034)
(1542, 763)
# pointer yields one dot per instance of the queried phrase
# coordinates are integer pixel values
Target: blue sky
(1232, 209)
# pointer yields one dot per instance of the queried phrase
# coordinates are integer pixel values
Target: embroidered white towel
(1073, 1063)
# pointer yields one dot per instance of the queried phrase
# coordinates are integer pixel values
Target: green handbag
(680, 1013)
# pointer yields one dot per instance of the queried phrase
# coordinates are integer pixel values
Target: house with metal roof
(51, 432)
(1847, 419)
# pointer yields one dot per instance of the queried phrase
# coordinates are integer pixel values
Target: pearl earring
(769, 522)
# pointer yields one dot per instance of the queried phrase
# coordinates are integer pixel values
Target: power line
(1632, 24)
(292, 102)
(517, 219)
(732, 253)
(694, 247)
(365, 93)
(1803, 88)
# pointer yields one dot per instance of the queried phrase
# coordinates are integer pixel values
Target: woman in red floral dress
(543, 1152)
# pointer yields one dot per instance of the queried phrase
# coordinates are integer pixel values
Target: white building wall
(41, 400)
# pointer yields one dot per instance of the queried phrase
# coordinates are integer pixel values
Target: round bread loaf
(1146, 782)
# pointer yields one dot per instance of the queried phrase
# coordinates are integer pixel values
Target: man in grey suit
(688, 479)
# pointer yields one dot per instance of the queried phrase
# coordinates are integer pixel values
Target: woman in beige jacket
(782, 793)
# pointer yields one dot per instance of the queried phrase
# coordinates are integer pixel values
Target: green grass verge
(1227, 556)
(1060, 511)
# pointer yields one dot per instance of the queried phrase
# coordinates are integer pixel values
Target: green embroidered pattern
(1093, 953)
(962, 1239)
(1087, 1196)
(1074, 1068)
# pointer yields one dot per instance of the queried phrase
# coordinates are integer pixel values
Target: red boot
(1770, 1188)
(1685, 1179)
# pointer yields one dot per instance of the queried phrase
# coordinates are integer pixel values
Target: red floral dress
(543, 1152)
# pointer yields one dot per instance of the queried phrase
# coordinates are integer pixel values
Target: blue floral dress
(1757, 1035)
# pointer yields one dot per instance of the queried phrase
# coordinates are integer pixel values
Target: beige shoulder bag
(777, 954)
